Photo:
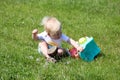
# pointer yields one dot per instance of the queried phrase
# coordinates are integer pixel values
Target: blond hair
(51, 24)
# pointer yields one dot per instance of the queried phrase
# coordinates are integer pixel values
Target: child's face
(56, 35)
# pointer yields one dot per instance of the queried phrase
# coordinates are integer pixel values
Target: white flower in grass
(31, 57)
(68, 62)
(37, 59)
(46, 64)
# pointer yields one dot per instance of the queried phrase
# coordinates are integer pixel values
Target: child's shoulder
(44, 33)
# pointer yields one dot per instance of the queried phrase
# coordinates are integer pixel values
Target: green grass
(19, 59)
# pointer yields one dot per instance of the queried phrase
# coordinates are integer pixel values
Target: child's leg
(61, 51)
(44, 48)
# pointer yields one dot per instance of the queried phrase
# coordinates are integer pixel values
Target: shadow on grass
(101, 54)
(59, 58)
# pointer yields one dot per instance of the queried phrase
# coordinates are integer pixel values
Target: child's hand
(34, 34)
(35, 31)
(80, 48)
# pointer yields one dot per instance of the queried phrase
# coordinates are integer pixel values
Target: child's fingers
(34, 31)
(80, 49)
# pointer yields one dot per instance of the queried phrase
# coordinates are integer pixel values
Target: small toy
(90, 49)
(82, 40)
(73, 53)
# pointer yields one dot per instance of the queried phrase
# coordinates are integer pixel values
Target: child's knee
(41, 46)
(60, 51)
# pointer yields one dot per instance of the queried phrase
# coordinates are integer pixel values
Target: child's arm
(34, 34)
(74, 44)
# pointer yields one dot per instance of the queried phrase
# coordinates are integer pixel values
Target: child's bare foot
(50, 59)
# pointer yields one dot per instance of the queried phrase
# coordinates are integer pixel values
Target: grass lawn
(19, 59)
